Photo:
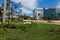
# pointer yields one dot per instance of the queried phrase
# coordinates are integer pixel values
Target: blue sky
(1, 1)
(43, 3)
(47, 3)
(28, 5)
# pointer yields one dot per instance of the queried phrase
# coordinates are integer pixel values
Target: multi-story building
(47, 13)
(38, 13)
(50, 13)
(58, 13)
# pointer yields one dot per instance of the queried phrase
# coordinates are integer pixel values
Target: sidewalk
(45, 21)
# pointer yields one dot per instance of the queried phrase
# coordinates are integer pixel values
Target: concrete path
(57, 22)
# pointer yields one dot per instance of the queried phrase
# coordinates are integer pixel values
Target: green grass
(39, 31)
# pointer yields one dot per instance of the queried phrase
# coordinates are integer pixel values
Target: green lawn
(39, 31)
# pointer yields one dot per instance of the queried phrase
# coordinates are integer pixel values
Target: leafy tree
(11, 6)
(1, 11)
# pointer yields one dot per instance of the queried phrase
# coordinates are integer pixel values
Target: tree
(9, 20)
(3, 15)
(11, 7)
(1, 11)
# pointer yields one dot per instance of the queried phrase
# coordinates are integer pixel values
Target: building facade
(50, 13)
(58, 13)
(38, 13)
(46, 13)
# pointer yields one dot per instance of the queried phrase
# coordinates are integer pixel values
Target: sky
(28, 5)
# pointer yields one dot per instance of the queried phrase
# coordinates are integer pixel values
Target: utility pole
(3, 15)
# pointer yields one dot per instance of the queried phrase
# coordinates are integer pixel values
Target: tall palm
(9, 14)
(3, 15)
(11, 9)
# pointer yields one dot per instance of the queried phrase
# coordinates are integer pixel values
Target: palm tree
(9, 8)
(1, 11)
(9, 21)
(3, 15)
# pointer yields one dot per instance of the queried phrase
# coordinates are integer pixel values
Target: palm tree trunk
(1, 19)
(9, 20)
(3, 15)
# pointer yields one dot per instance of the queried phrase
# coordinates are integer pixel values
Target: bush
(23, 27)
(10, 26)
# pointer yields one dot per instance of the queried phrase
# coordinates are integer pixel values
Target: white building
(38, 13)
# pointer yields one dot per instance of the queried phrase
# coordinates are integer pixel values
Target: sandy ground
(45, 21)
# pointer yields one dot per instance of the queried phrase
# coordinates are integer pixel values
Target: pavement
(57, 22)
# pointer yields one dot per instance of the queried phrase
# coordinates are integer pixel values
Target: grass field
(39, 31)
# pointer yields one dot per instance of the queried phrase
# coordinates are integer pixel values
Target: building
(49, 13)
(58, 13)
(38, 13)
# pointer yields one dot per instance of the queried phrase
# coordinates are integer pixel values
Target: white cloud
(58, 5)
(30, 4)
(24, 10)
